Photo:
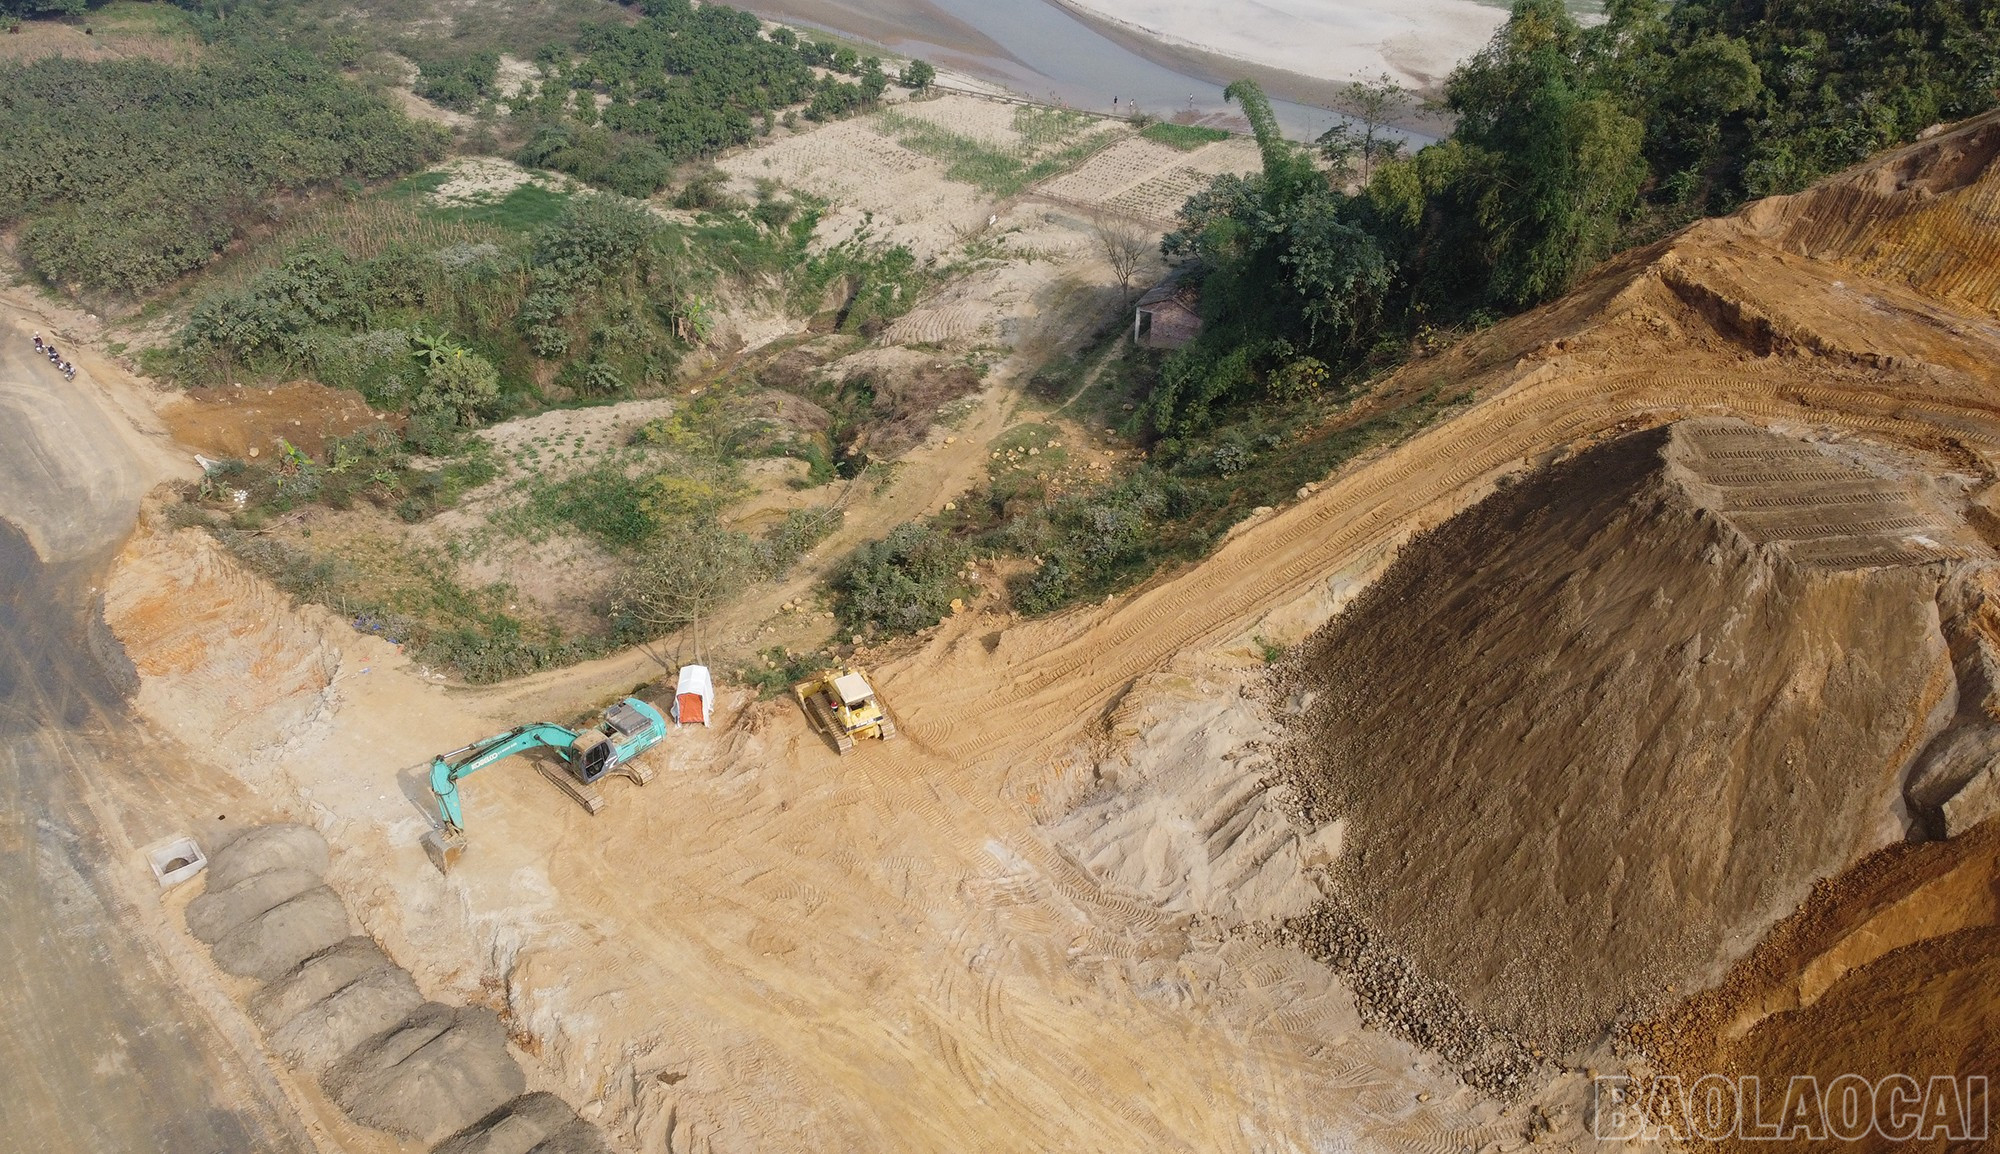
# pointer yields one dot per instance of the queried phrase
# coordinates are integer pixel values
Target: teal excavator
(629, 729)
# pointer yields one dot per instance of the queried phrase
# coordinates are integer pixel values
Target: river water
(100, 1051)
(1046, 53)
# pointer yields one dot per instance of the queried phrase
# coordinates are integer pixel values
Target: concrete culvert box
(438, 1072)
(272, 943)
(267, 848)
(538, 1123)
(176, 861)
(214, 913)
(333, 1027)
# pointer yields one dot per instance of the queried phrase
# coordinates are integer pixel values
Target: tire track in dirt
(1363, 513)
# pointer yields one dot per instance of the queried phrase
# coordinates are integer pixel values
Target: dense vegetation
(126, 174)
(685, 82)
(1321, 271)
(601, 301)
(1569, 143)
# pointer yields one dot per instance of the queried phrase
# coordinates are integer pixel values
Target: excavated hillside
(1590, 739)
(1627, 711)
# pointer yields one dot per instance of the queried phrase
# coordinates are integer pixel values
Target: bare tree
(1125, 248)
(686, 575)
(1374, 104)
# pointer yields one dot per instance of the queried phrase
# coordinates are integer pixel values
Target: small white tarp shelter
(694, 696)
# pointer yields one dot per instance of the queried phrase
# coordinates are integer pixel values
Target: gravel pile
(1391, 994)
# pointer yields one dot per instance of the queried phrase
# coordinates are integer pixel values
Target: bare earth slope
(1628, 711)
(772, 947)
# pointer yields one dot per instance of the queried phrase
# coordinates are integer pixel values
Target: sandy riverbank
(1418, 42)
(1083, 55)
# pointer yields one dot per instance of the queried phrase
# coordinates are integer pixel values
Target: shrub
(623, 164)
(458, 82)
(125, 175)
(902, 583)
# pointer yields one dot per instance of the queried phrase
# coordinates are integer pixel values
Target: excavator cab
(592, 756)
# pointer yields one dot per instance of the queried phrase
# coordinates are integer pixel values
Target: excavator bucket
(445, 847)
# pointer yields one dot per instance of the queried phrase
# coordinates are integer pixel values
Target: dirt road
(102, 1049)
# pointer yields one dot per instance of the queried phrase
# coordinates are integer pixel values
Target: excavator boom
(447, 768)
(629, 729)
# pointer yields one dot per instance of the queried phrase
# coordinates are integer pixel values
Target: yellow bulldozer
(844, 707)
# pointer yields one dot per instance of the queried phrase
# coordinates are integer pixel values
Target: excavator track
(584, 795)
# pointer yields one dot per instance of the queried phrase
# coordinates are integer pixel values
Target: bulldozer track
(1389, 496)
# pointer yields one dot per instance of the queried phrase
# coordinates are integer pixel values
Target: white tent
(694, 696)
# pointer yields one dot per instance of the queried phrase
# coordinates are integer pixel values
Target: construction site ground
(1039, 920)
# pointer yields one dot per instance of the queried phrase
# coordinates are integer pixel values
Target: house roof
(1169, 288)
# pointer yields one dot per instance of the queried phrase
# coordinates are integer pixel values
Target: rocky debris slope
(337, 1008)
(1626, 711)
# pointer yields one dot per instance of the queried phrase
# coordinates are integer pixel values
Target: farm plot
(1101, 178)
(990, 122)
(1149, 181)
(870, 182)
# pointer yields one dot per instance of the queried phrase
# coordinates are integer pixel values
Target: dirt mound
(1888, 969)
(264, 849)
(538, 1123)
(216, 912)
(334, 1026)
(270, 944)
(440, 1070)
(1610, 724)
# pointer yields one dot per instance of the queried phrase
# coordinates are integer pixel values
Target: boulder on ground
(217, 911)
(266, 848)
(269, 945)
(439, 1071)
(538, 1123)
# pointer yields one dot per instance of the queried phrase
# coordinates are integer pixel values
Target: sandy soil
(994, 933)
(483, 179)
(1418, 43)
(233, 421)
(1662, 689)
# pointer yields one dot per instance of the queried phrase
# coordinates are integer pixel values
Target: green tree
(1374, 105)
(1560, 164)
(918, 75)
(686, 575)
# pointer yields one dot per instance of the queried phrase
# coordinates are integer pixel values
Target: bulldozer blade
(443, 849)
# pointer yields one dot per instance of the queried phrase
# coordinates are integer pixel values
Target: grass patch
(525, 208)
(1186, 137)
(777, 669)
(1052, 142)
(408, 594)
